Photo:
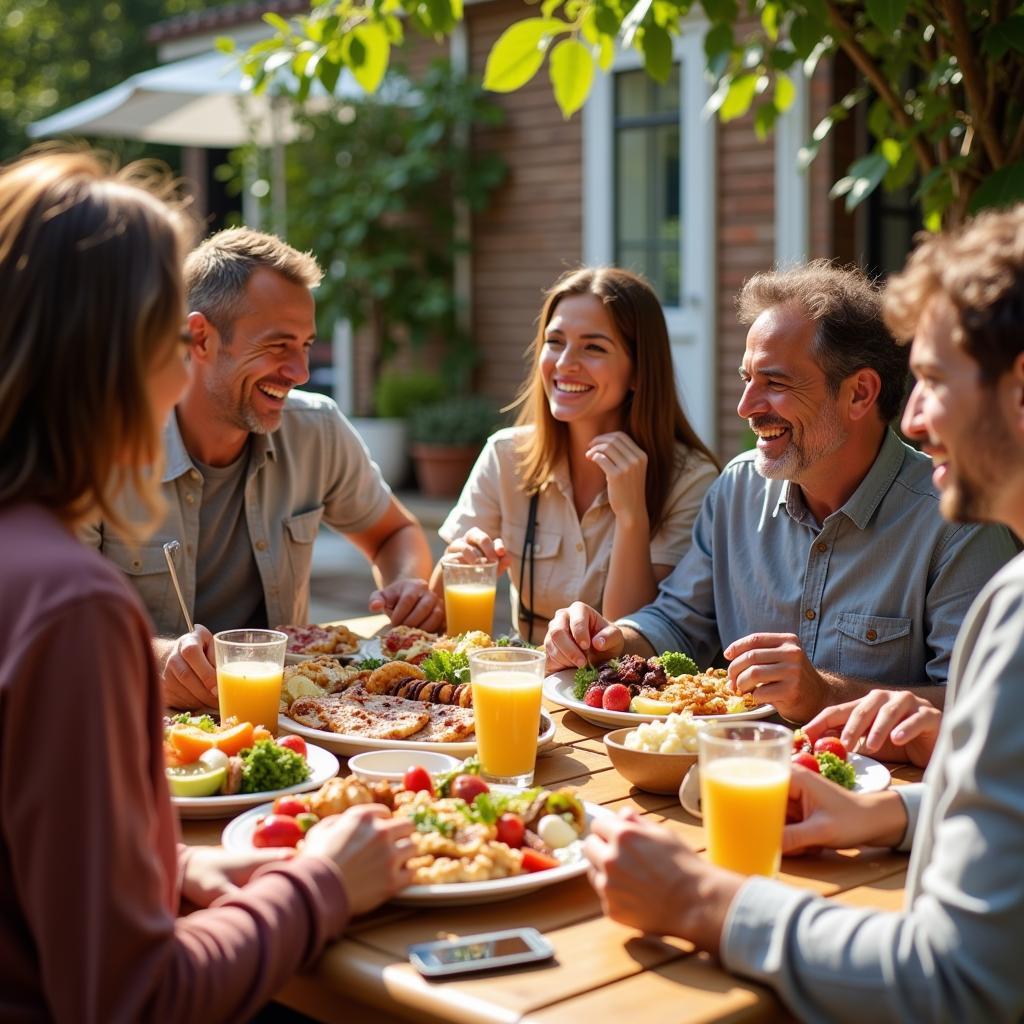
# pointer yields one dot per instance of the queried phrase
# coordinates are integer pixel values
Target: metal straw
(170, 550)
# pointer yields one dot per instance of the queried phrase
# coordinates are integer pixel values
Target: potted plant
(446, 439)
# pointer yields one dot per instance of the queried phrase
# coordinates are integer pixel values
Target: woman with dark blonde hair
(91, 875)
(593, 494)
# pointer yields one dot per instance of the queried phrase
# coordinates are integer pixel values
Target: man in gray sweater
(953, 953)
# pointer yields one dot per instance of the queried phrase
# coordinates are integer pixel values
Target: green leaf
(369, 72)
(770, 20)
(606, 21)
(785, 93)
(225, 44)
(1006, 35)
(764, 120)
(632, 21)
(1004, 188)
(718, 40)
(276, 21)
(606, 57)
(518, 53)
(572, 71)
(657, 48)
(863, 178)
(892, 150)
(739, 97)
(888, 15)
(879, 119)
(549, 7)
(805, 33)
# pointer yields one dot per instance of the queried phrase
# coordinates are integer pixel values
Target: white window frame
(691, 325)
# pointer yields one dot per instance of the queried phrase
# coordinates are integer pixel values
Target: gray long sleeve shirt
(876, 592)
(954, 954)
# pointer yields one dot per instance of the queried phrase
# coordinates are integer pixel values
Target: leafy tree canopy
(942, 81)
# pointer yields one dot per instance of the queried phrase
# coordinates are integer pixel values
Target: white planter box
(388, 443)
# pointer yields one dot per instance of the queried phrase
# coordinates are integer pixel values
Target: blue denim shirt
(876, 592)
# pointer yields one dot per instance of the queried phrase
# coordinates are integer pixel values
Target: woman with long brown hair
(593, 494)
(91, 875)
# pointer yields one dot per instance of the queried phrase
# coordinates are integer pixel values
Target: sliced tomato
(293, 806)
(831, 745)
(534, 860)
(807, 760)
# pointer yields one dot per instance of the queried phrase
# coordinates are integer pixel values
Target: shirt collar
(178, 462)
(861, 505)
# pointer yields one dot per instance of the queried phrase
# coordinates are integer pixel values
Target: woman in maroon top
(91, 873)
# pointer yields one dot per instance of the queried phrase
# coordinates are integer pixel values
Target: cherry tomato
(291, 742)
(807, 760)
(293, 806)
(277, 830)
(534, 860)
(418, 778)
(510, 830)
(615, 698)
(831, 745)
(469, 787)
(800, 742)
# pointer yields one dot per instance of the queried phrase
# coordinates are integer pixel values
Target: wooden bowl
(655, 773)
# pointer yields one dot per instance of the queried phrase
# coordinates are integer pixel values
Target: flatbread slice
(448, 724)
(358, 713)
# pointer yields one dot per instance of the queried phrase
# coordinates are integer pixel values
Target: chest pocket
(874, 647)
(300, 532)
(146, 569)
(547, 546)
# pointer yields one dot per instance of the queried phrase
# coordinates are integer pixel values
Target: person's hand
(774, 669)
(212, 871)
(633, 860)
(409, 603)
(370, 849)
(476, 546)
(894, 725)
(624, 464)
(578, 635)
(821, 813)
(189, 678)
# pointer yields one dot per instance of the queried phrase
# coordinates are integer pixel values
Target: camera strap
(526, 610)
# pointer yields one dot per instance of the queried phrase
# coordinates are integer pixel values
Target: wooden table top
(602, 971)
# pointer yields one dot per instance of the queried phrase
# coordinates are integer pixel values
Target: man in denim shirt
(820, 565)
(251, 469)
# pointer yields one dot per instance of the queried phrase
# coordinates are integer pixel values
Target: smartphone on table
(483, 952)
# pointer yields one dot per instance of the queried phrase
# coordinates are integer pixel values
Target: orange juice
(469, 606)
(743, 800)
(250, 691)
(506, 706)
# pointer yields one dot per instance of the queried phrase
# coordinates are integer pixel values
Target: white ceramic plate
(558, 689)
(323, 765)
(342, 743)
(237, 835)
(872, 777)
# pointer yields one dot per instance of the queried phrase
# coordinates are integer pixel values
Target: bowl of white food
(655, 756)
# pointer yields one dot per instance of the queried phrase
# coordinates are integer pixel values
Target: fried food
(320, 639)
(701, 694)
(381, 679)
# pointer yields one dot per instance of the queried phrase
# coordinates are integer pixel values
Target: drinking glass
(744, 784)
(506, 705)
(250, 667)
(469, 595)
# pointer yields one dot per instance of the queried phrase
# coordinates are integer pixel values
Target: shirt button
(821, 546)
(190, 499)
(136, 563)
(261, 545)
(809, 614)
(871, 635)
(579, 547)
(194, 474)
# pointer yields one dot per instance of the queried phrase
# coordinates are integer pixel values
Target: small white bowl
(391, 765)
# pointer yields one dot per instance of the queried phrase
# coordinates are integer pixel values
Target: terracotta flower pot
(442, 469)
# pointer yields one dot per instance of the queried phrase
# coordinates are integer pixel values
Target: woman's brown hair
(92, 299)
(654, 419)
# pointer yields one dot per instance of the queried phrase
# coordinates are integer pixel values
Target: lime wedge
(195, 780)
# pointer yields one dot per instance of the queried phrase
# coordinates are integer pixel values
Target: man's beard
(235, 409)
(967, 496)
(798, 457)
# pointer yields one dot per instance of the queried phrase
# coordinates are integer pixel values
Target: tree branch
(1017, 146)
(867, 67)
(963, 47)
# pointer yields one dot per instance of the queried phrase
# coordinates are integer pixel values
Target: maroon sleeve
(92, 844)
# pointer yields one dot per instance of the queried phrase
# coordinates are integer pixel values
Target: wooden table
(602, 971)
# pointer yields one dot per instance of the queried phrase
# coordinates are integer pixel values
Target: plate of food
(634, 689)
(413, 645)
(336, 642)
(855, 772)
(215, 771)
(474, 843)
(349, 709)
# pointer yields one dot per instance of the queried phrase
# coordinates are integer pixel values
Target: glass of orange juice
(744, 784)
(506, 705)
(250, 667)
(469, 595)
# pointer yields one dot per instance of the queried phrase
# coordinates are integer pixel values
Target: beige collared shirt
(571, 555)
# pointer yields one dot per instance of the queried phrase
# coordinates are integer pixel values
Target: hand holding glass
(506, 705)
(469, 595)
(744, 785)
(250, 667)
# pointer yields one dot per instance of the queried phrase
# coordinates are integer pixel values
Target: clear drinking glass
(469, 596)
(744, 785)
(506, 705)
(250, 667)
